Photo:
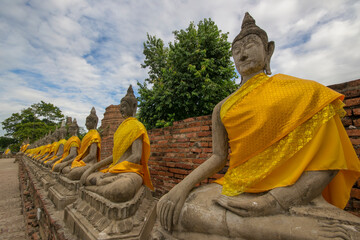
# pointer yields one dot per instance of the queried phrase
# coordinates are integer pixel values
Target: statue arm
(309, 186)
(60, 150)
(71, 156)
(170, 205)
(94, 167)
(92, 153)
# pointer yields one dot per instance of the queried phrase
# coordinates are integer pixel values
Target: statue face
(249, 55)
(90, 123)
(125, 109)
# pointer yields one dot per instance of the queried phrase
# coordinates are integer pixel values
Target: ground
(12, 224)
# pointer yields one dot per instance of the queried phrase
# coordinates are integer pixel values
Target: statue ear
(271, 47)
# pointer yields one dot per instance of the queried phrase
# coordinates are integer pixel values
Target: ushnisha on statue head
(128, 104)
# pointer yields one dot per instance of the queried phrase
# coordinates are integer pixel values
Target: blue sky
(79, 54)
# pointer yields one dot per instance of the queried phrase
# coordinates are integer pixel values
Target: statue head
(92, 120)
(73, 128)
(251, 50)
(128, 104)
(62, 130)
(68, 121)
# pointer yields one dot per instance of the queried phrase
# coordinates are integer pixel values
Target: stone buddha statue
(58, 146)
(46, 147)
(127, 168)
(89, 152)
(291, 166)
(70, 152)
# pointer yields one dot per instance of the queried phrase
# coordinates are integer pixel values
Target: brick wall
(111, 121)
(177, 150)
(351, 122)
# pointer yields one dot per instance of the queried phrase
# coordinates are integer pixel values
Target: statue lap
(203, 219)
(121, 187)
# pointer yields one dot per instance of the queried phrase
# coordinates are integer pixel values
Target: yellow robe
(7, 151)
(281, 126)
(74, 141)
(91, 137)
(56, 149)
(52, 149)
(128, 131)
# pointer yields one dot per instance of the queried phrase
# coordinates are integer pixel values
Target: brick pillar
(111, 121)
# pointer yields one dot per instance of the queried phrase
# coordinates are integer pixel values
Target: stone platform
(64, 192)
(94, 217)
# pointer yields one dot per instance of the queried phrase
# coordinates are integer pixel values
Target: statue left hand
(263, 205)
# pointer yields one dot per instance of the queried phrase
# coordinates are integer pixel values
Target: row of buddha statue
(291, 164)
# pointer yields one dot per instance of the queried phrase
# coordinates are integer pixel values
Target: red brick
(204, 134)
(180, 171)
(352, 93)
(355, 141)
(189, 120)
(353, 132)
(356, 111)
(357, 122)
(191, 129)
(183, 165)
(352, 102)
(190, 135)
(355, 193)
(348, 111)
(346, 121)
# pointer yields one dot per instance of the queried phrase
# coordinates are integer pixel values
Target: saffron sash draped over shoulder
(281, 126)
(56, 149)
(128, 131)
(74, 141)
(91, 137)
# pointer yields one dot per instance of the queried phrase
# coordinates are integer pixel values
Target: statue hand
(263, 205)
(169, 207)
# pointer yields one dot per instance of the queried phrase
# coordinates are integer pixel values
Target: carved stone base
(94, 217)
(64, 192)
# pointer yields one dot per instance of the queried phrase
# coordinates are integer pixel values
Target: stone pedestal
(94, 217)
(64, 192)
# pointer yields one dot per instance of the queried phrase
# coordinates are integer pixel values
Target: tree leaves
(32, 122)
(189, 77)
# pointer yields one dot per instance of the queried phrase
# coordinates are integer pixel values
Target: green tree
(32, 122)
(189, 77)
(5, 142)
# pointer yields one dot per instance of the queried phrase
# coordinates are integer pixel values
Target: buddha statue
(89, 152)
(127, 168)
(58, 147)
(291, 166)
(45, 147)
(71, 148)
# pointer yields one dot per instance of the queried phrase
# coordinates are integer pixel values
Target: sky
(84, 53)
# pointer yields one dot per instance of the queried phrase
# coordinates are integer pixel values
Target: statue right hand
(169, 207)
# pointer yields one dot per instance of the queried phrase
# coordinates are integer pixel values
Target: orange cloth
(128, 131)
(272, 121)
(74, 141)
(91, 137)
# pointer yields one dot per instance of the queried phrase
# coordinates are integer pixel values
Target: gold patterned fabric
(270, 120)
(91, 137)
(128, 131)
